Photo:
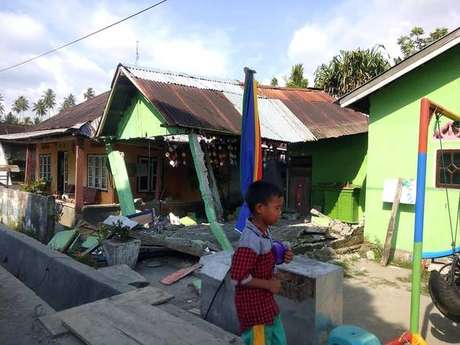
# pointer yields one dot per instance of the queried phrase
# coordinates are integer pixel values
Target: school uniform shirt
(253, 259)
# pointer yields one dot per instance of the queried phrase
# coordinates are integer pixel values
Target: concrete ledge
(58, 279)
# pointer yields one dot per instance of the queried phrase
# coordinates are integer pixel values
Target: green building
(392, 101)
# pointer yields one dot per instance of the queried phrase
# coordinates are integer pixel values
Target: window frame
(152, 174)
(41, 170)
(92, 172)
(439, 168)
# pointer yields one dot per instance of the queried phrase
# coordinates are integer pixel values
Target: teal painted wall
(338, 160)
(141, 120)
(392, 153)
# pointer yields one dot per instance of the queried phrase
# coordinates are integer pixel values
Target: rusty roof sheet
(212, 104)
(317, 111)
(6, 128)
(77, 115)
(191, 107)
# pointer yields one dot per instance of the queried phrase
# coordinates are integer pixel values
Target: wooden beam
(80, 169)
(391, 225)
(215, 191)
(28, 168)
(121, 180)
(202, 174)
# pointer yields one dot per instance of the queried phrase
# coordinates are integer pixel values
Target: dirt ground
(375, 298)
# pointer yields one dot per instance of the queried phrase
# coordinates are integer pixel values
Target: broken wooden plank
(391, 225)
(178, 275)
(53, 324)
(178, 244)
(193, 317)
(148, 295)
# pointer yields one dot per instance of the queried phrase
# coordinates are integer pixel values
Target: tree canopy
(89, 93)
(350, 69)
(296, 78)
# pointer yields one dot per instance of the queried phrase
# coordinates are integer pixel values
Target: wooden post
(80, 169)
(29, 165)
(391, 225)
(214, 191)
(121, 180)
(202, 174)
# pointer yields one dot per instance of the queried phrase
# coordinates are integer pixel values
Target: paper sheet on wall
(407, 193)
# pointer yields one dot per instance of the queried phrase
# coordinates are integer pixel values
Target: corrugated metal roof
(277, 122)
(33, 134)
(6, 128)
(289, 115)
(191, 107)
(81, 113)
(318, 112)
(200, 82)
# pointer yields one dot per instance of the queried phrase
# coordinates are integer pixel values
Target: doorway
(63, 172)
(299, 185)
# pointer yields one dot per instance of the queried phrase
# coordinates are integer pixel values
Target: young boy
(253, 267)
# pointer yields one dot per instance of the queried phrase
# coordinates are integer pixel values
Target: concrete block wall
(56, 278)
(28, 212)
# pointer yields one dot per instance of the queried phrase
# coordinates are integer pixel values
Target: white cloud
(364, 24)
(91, 63)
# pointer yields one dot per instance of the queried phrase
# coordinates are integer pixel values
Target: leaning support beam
(214, 191)
(202, 174)
(121, 180)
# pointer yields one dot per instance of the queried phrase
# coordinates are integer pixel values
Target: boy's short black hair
(260, 192)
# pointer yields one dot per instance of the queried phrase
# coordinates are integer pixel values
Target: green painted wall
(393, 139)
(338, 160)
(141, 120)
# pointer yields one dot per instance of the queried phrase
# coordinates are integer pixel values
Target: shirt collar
(254, 228)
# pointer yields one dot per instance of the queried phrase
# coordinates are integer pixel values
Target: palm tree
(350, 69)
(2, 106)
(49, 99)
(69, 101)
(296, 79)
(89, 93)
(21, 104)
(39, 108)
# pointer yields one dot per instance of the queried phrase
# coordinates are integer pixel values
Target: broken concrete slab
(124, 274)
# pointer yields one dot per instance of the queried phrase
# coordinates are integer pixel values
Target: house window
(448, 168)
(146, 174)
(45, 167)
(97, 172)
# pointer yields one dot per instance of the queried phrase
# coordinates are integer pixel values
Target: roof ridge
(183, 74)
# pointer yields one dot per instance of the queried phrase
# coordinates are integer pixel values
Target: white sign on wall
(407, 194)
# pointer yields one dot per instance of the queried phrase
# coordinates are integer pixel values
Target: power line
(81, 38)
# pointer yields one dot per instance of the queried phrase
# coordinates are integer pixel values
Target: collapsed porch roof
(214, 105)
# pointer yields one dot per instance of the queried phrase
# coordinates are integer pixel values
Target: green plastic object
(187, 221)
(62, 240)
(339, 203)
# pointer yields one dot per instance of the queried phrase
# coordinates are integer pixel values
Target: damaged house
(134, 143)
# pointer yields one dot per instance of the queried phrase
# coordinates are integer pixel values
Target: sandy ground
(378, 299)
(375, 298)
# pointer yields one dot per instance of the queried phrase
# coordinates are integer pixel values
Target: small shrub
(39, 186)
(117, 231)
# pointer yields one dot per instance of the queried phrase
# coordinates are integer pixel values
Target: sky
(206, 37)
